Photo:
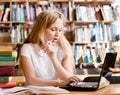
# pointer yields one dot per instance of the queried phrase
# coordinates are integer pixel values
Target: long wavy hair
(43, 21)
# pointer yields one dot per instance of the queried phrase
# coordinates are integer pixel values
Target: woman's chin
(54, 42)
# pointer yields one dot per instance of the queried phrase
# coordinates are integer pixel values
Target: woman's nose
(57, 33)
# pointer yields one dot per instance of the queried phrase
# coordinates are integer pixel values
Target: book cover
(77, 13)
(7, 58)
(6, 15)
(8, 63)
(4, 79)
(5, 36)
(8, 85)
(6, 48)
(98, 13)
(7, 70)
(32, 12)
(27, 10)
(5, 53)
(70, 11)
(1, 11)
(18, 13)
(14, 8)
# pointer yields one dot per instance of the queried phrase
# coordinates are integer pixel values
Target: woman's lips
(54, 40)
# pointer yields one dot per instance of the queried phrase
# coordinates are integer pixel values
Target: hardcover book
(8, 85)
(7, 70)
(4, 79)
(7, 58)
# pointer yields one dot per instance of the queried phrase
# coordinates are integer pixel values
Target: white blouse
(42, 64)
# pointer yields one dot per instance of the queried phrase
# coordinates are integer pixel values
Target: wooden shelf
(80, 43)
(85, 22)
(96, 42)
(60, 0)
(5, 27)
(94, 2)
(2, 1)
(93, 22)
(7, 22)
(18, 22)
(8, 43)
(18, 0)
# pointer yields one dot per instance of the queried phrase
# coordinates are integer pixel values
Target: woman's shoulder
(26, 48)
(27, 45)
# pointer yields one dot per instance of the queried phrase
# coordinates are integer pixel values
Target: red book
(8, 84)
(7, 70)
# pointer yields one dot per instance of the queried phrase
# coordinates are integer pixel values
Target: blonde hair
(43, 21)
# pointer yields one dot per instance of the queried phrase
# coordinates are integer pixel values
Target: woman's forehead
(58, 23)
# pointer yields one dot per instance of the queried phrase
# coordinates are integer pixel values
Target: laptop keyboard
(84, 84)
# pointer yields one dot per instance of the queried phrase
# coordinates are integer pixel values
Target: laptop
(94, 83)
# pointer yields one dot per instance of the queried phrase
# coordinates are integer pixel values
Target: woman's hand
(114, 70)
(69, 80)
(50, 49)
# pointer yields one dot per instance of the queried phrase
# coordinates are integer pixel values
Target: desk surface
(112, 89)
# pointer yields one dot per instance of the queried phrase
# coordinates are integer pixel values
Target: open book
(20, 90)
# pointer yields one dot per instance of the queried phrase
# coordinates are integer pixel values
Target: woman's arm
(30, 76)
(32, 79)
(69, 64)
(65, 70)
(62, 71)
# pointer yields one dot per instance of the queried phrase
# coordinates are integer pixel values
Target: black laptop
(94, 83)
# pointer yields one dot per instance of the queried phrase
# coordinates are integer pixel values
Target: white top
(41, 62)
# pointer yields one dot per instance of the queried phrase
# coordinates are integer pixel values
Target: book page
(36, 90)
(15, 89)
(48, 90)
(103, 82)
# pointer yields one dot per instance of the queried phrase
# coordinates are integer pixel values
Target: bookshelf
(80, 27)
(17, 22)
(96, 29)
(22, 14)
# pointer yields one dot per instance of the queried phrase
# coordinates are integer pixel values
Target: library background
(92, 28)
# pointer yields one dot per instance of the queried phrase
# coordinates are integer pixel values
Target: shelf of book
(96, 29)
(8, 58)
(79, 29)
(19, 20)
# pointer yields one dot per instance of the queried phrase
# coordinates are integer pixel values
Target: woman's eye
(60, 30)
(53, 29)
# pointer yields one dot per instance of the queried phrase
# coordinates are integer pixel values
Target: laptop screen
(109, 61)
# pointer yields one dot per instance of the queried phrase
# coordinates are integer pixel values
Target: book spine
(7, 70)
(8, 84)
(5, 53)
(5, 79)
(7, 58)
(6, 15)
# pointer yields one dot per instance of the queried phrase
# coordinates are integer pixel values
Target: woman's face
(55, 31)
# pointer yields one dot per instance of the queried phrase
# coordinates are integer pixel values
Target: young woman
(46, 55)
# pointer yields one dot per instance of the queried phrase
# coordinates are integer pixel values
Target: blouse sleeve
(25, 50)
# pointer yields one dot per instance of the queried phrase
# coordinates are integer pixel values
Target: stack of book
(8, 58)
(6, 82)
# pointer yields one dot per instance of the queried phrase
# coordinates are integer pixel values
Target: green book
(5, 79)
(5, 53)
(7, 58)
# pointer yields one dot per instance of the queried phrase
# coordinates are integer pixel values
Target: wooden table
(112, 89)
